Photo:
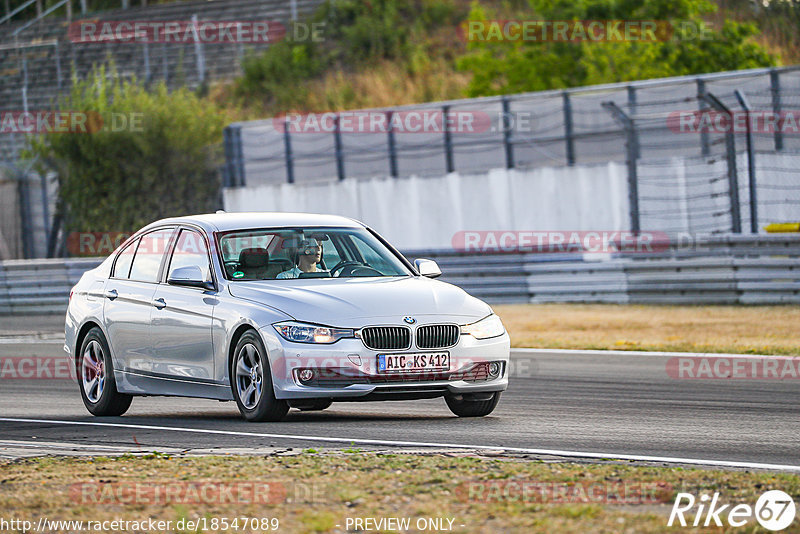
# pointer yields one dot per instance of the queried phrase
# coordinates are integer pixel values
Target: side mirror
(191, 276)
(427, 268)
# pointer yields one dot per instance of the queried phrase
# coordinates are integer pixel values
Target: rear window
(122, 267)
(149, 254)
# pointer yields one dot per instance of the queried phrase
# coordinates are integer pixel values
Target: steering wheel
(342, 264)
(364, 270)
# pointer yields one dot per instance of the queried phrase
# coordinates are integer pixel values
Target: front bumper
(347, 370)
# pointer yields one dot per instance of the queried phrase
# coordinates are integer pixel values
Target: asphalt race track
(576, 404)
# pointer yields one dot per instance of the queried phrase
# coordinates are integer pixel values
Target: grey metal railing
(567, 127)
(728, 269)
(632, 122)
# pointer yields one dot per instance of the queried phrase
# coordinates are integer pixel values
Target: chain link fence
(40, 54)
(686, 174)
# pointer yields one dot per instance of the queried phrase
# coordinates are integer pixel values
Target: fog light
(494, 369)
(305, 375)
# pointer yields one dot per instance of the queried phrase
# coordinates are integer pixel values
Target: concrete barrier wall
(420, 212)
(426, 212)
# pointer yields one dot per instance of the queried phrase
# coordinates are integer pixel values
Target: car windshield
(289, 253)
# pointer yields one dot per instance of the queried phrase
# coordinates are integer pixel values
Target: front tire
(464, 407)
(95, 373)
(251, 381)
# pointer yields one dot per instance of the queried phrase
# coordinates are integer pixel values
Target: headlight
(309, 333)
(488, 327)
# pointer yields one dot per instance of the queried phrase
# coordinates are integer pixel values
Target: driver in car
(308, 256)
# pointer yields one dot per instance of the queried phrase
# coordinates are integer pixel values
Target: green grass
(315, 493)
(679, 328)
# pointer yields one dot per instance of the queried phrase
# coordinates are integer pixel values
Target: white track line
(392, 443)
(639, 354)
(60, 444)
(26, 340)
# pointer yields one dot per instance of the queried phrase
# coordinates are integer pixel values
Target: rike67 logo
(774, 510)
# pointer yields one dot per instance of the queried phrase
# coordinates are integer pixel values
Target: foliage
(510, 66)
(777, 20)
(356, 35)
(156, 155)
(277, 74)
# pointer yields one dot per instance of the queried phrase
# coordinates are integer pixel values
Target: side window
(190, 250)
(149, 254)
(123, 264)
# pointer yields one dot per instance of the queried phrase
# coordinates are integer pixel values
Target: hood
(355, 302)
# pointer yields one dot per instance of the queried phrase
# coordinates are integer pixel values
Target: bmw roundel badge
(409, 320)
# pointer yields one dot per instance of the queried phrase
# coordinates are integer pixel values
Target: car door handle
(159, 303)
(111, 294)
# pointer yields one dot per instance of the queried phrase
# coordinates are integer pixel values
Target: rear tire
(251, 381)
(472, 408)
(95, 374)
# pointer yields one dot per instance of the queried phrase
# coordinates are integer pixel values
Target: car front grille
(437, 336)
(343, 377)
(386, 337)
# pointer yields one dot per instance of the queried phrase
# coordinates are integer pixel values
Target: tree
(685, 44)
(145, 154)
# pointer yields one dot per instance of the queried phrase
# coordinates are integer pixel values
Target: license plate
(418, 361)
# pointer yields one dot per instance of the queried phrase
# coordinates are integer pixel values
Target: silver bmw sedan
(277, 311)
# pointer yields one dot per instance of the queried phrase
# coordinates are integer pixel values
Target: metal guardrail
(729, 269)
(719, 270)
(40, 286)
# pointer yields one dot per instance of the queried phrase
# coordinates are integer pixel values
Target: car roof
(224, 222)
